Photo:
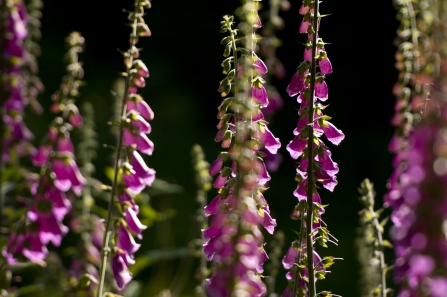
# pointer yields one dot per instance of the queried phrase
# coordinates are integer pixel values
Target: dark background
(184, 56)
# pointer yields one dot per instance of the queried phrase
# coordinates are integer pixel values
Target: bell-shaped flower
(41, 156)
(266, 220)
(213, 206)
(271, 143)
(125, 198)
(49, 228)
(126, 242)
(297, 84)
(139, 139)
(134, 183)
(74, 117)
(64, 144)
(120, 272)
(296, 147)
(324, 63)
(333, 134)
(136, 102)
(133, 222)
(141, 68)
(68, 175)
(259, 66)
(321, 90)
(290, 258)
(260, 95)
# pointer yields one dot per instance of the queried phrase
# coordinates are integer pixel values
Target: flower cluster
(13, 100)
(135, 175)
(418, 184)
(316, 162)
(234, 241)
(267, 50)
(59, 173)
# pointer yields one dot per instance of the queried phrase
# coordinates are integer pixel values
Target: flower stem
(414, 35)
(310, 158)
(104, 250)
(382, 263)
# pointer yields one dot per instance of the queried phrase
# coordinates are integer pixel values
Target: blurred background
(184, 56)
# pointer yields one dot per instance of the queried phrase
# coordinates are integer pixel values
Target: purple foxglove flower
(49, 227)
(141, 68)
(304, 9)
(28, 244)
(68, 175)
(307, 54)
(139, 81)
(140, 166)
(297, 84)
(220, 181)
(120, 272)
(260, 95)
(210, 233)
(267, 221)
(289, 259)
(304, 26)
(333, 134)
(126, 242)
(139, 122)
(260, 67)
(263, 175)
(216, 166)
(213, 206)
(74, 117)
(133, 222)
(133, 182)
(41, 155)
(271, 143)
(61, 205)
(138, 104)
(325, 65)
(140, 140)
(124, 197)
(126, 258)
(64, 144)
(321, 91)
(296, 147)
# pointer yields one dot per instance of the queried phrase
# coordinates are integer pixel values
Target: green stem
(310, 159)
(414, 35)
(202, 199)
(382, 263)
(105, 249)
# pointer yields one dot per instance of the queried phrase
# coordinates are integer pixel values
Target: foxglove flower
(15, 134)
(418, 179)
(234, 240)
(59, 174)
(312, 124)
(136, 175)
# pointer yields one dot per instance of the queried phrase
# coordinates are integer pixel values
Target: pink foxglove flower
(234, 241)
(310, 148)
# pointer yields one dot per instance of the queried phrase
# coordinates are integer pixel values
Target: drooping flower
(308, 146)
(233, 240)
